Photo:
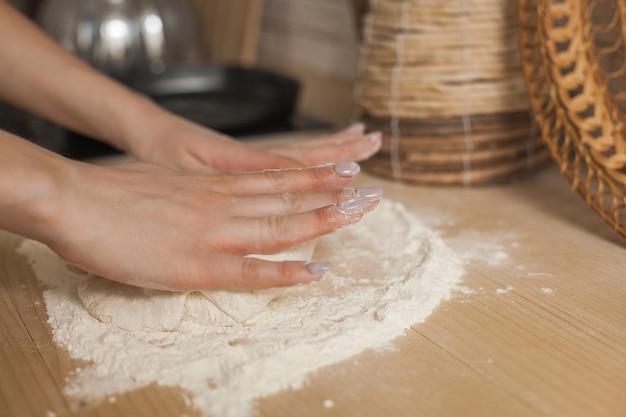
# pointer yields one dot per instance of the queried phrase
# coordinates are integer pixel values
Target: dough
(132, 308)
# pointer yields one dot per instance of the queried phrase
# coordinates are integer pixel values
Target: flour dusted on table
(389, 272)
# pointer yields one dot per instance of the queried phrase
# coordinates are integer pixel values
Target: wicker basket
(575, 66)
(443, 81)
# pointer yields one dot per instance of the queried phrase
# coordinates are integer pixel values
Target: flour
(389, 272)
(506, 290)
(483, 247)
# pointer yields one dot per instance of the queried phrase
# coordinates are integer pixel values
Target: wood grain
(506, 347)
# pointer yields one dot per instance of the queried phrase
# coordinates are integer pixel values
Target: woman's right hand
(149, 226)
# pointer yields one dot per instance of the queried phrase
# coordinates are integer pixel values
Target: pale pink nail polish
(317, 268)
(371, 192)
(347, 169)
(357, 205)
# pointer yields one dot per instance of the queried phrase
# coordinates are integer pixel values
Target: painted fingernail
(371, 192)
(317, 267)
(357, 205)
(355, 127)
(373, 136)
(347, 169)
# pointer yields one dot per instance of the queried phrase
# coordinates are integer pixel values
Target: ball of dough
(132, 308)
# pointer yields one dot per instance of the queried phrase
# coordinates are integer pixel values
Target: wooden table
(537, 331)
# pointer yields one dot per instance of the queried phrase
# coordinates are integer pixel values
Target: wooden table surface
(537, 329)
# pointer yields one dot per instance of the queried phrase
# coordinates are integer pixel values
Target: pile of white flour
(389, 272)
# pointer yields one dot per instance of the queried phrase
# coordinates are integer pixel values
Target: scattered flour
(548, 290)
(463, 290)
(389, 272)
(508, 289)
(329, 403)
(478, 246)
(539, 275)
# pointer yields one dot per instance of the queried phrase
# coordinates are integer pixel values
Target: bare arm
(39, 75)
(149, 226)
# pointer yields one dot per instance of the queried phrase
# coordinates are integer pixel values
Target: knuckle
(258, 276)
(295, 202)
(184, 279)
(250, 271)
(278, 178)
(278, 228)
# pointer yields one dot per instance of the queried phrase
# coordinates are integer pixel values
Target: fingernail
(357, 205)
(317, 267)
(371, 192)
(355, 127)
(347, 169)
(373, 136)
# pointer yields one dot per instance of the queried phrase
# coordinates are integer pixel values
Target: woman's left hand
(185, 146)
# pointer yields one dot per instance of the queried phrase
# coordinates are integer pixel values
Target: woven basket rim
(584, 131)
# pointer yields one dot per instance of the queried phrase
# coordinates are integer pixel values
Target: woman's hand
(351, 144)
(133, 123)
(179, 144)
(149, 226)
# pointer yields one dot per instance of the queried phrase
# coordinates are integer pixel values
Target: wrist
(31, 188)
(141, 119)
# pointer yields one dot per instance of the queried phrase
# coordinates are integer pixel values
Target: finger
(354, 149)
(272, 234)
(353, 132)
(247, 273)
(325, 178)
(240, 157)
(261, 159)
(289, 203)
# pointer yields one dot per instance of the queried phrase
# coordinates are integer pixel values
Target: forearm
(38, 75)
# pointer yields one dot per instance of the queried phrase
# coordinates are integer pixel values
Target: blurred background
(305, 49)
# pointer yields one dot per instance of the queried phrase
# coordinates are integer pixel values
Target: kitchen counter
(537, 326)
